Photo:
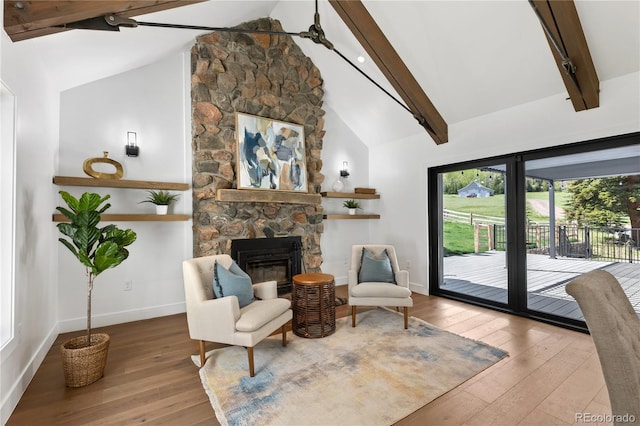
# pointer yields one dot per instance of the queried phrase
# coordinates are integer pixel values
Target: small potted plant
(98, 249)
(162, 200)
(352, 205)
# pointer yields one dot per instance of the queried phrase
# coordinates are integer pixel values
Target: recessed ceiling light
(361, 59)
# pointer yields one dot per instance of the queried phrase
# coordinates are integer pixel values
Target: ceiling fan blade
(102, 23)
(98, 23)
(219, 29)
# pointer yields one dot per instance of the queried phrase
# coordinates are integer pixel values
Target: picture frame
(270, 154)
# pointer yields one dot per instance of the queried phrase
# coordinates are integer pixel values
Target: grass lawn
(487, 206)
(457, 239)
(495, 206)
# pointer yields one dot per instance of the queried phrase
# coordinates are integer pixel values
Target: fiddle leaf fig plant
(98, 249)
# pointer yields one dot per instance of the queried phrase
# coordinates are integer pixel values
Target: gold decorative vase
(89, 162)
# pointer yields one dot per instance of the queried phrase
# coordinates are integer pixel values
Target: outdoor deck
(485, 275)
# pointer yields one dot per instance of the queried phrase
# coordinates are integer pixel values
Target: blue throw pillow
(375, 269)
(232, 282)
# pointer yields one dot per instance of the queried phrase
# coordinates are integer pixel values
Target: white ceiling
(470, 57)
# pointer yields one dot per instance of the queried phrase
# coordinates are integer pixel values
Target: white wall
(341, 144)
(401, 166)
(154, 102)
(35, 235)
(82, 122)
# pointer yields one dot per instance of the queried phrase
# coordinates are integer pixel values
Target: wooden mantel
(266, 196)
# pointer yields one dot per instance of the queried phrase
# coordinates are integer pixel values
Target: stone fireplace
(267, 259)
(268, 76)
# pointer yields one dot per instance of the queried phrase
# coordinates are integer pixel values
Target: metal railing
(599, 243)
(586, 242)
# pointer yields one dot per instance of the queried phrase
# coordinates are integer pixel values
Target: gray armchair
(374, 293)
(222, 320)
(615, 329)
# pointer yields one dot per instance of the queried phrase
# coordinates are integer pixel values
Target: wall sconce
(344, 172)
(131, 148)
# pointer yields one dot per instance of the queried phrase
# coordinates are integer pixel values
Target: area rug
(374, 374)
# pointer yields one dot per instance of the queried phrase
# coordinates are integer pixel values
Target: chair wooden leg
(284, 335)
(406, 317)
(250, 355)
(397, 308)
(353, 316)
(201, 353)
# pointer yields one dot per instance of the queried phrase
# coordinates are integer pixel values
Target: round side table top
(313, 278)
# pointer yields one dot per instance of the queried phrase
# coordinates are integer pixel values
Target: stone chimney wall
(268, 76)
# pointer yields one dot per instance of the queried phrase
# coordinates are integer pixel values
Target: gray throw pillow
(232, 282)
(375, 269)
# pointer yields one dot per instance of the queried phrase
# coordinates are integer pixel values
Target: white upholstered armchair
(221, 320)
(615, 329)
(371, 284)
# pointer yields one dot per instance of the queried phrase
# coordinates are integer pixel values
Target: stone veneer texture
(268, 76)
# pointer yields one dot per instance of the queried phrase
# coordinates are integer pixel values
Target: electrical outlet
(346, 261)
(408, 265)
(128, 285)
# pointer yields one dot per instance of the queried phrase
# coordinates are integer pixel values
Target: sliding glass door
(582, 215)
(472, 225)
(511, 232)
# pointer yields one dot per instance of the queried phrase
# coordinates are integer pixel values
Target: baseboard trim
(75, 324)
(418, 288)
(341, 280)
(12, 397)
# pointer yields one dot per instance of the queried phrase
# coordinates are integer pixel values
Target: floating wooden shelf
(123, 183)
(127, 217)
(119, 183)
(351, 216)
(350, 195)
(266, 196)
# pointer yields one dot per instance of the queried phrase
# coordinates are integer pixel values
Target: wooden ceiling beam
(364, 28)
(563, 22)
(29, 19)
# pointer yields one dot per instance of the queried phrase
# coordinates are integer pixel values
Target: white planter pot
(161, 209)
(352, 211)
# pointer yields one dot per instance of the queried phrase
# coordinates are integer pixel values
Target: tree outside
(606, 202)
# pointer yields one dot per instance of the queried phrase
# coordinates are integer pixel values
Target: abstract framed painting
(270, 154)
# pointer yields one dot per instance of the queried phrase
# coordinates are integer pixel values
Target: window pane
(7, 165)
(581, 216)
(474, 233)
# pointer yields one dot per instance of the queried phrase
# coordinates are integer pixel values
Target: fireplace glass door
(266, 259)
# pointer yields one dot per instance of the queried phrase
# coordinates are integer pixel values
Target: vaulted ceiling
(454, 60)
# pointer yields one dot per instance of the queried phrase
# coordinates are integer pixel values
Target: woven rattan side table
(314, 310)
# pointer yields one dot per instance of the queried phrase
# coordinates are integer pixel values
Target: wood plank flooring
(550, 375)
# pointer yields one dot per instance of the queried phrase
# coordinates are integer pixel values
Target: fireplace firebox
(266, 259)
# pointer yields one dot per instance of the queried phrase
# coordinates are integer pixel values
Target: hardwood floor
(550, 375)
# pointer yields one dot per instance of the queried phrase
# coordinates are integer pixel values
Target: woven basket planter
(83, 364)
